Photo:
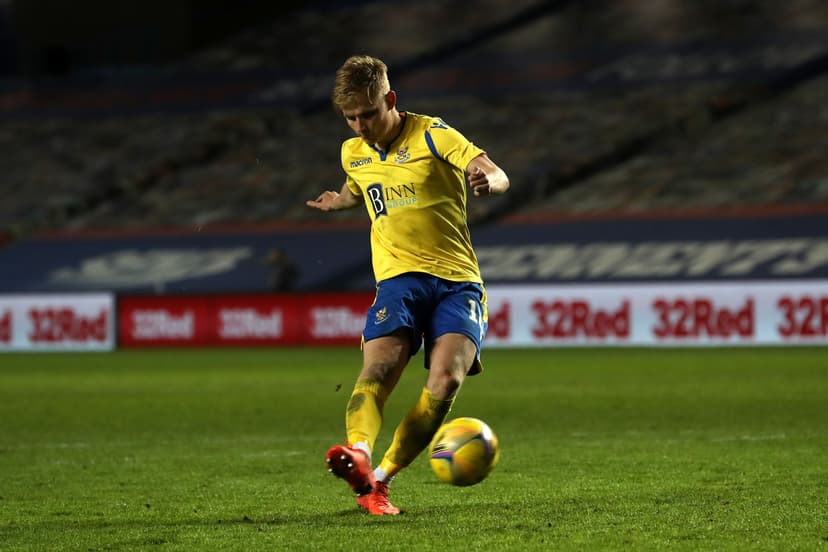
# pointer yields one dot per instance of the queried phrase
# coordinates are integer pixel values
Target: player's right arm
(335, 201)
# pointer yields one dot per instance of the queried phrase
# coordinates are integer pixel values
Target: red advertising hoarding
(697, 314)
(57, 322)
(242, 320)
(680, 314)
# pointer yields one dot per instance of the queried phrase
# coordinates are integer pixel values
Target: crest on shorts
(381, 316)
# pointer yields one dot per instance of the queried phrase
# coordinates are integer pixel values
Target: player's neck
(393, 132)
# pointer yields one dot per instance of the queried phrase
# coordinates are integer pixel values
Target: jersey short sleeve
(450, 145)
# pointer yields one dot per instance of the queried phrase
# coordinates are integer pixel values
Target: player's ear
(391, 99)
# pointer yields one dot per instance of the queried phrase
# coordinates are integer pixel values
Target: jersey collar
(384, 154)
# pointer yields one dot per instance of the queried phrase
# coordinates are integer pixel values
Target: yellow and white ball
(464, 451)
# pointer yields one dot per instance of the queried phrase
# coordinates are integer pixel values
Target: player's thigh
(450, 358)
(385, 357)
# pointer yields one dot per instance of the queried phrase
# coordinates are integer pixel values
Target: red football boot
(376, 502)
(352, 465)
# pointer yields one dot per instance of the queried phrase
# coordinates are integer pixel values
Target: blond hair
(358, 77)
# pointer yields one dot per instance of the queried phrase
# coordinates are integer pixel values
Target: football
(464, 451)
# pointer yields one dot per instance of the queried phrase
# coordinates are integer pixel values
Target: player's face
(368, 120)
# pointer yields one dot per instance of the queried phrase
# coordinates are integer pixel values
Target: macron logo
(360, 162)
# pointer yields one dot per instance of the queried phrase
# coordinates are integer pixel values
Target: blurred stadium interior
(593, 107)
(669, 171)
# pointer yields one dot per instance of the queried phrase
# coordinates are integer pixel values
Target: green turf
(630, 449)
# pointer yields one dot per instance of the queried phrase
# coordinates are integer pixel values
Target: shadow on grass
(346, 517)
(90, 526)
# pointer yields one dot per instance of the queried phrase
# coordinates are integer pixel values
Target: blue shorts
(429, 307)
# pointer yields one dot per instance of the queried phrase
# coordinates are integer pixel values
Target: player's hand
(478, 182)
(324, 202)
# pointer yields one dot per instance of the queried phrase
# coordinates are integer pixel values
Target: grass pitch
(702, 449)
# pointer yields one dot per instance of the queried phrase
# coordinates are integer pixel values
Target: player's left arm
(485, 177)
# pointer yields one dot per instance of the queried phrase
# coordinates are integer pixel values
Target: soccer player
(411, 172)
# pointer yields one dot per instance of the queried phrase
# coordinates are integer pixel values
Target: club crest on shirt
(381, 316)
(402, 155)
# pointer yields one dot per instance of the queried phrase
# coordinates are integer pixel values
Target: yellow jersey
(415, 195)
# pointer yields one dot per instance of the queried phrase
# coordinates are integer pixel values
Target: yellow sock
(415, 432)
(363, 415)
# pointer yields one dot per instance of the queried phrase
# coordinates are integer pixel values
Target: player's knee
(445, 381)
(444, 388)
(449, 362)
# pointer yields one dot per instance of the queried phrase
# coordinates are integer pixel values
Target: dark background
(55, 37)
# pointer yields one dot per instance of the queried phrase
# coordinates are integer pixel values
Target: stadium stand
(590, 106)
(771, 155)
